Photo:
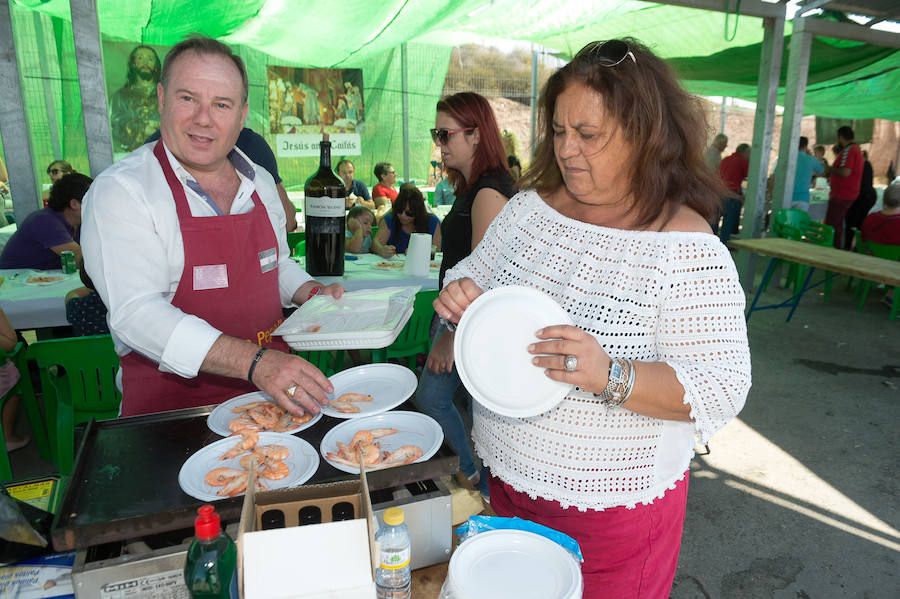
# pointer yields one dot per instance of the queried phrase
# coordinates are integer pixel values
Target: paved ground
(799, 497)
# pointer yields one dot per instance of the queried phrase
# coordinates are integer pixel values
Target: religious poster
(132, 72)
(305, 102)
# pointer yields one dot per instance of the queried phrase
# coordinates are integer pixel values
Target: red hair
(472, 110)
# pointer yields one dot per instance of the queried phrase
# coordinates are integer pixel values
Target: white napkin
(418, 255)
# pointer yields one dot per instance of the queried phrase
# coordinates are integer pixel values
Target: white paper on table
(356, 311)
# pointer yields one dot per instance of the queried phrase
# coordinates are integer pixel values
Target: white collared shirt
(133, 252)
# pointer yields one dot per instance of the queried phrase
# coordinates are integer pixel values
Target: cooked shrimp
(236, 485)
(382, 432)
(274, 470)
(272, 452)
(406, 454)
(248, 441)
(243, 423)
(351, 397)
(217, 477)
(249, 406)
(267, 417)
(362, 437)
(347, 408)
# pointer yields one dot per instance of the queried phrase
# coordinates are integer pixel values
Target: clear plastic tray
(346, 324)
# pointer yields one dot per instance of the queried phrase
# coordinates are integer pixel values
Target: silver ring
(571, 363)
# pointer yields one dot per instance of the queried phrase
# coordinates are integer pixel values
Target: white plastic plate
(219, 419)
(388, 384)
(490, 348)
(513, 563)
(374, 339)
(413, 428)
(303, 463)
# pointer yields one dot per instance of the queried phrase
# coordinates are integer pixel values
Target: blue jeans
(435, 398)
(731, 215)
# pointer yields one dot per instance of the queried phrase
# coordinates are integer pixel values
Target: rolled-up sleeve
(125, 256)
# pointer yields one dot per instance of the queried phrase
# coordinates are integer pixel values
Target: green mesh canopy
(848, 80)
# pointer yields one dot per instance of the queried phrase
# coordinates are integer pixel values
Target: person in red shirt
(884, 226)
(844, 177)
(733, 170)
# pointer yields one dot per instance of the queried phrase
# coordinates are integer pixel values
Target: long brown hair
(410, 197)
(472, 110)
(663, 124)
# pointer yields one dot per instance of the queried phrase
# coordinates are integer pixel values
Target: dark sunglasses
(442, 136)
(609, 53)
(56, 171)
(408, 213)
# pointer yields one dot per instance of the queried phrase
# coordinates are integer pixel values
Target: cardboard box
(334, 559)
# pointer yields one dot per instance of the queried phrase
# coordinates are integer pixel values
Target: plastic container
(209, 570)
(392, 577)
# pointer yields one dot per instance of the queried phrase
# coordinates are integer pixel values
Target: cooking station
(124, 485)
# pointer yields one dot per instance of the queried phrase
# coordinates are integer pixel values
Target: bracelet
(254, 363)
(619, 384)
(447, 324)
(313, 292)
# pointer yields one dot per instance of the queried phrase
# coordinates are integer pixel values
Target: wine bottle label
(324, 206)
(394, 560)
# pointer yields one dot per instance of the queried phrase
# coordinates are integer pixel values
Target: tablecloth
(364, 273)
(32, 306)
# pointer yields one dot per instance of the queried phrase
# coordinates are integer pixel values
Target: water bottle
(392, 577)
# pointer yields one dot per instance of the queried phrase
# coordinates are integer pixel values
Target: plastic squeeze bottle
(392, 577)
(209, 571)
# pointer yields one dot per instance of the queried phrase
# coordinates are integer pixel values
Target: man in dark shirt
(357, 192)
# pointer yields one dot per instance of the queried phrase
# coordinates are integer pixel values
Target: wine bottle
(323, 211)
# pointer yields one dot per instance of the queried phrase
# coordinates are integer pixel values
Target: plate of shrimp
(382, 441)
(256, 411)
(221, 469)
(369, 390)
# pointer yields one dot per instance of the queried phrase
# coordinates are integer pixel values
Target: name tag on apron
(210, 276)
(268, 260)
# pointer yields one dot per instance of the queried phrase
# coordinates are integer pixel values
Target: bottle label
(394, 560)
(324, 206)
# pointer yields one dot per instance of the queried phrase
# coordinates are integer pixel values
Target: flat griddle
(124, 484)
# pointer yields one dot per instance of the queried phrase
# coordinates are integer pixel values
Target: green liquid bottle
(209, 571)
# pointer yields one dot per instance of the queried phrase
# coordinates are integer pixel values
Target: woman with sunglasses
(56, 170)
(408, 216)
(613, 225)
(472, 152)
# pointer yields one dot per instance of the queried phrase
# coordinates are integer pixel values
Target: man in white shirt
(180, 240)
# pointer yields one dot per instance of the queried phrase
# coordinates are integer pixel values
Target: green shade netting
(846, 80)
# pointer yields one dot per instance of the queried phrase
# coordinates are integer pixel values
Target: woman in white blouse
(613, 224)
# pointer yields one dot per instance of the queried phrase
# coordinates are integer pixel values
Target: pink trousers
(628, 553)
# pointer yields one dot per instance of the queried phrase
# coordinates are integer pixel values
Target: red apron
(224, 284)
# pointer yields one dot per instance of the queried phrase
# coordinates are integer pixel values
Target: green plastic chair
(78, 380)
(415, 338)
(798, 226)
(300, 248)
(888, 252)
(25, 391)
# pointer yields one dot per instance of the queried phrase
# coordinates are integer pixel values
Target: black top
(456, 229)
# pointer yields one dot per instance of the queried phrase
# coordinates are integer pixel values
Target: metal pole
(763, 124)
(404, 84)
(534, 95)
(13, 124)
(92, 84)
(722, 116)
(794, 94)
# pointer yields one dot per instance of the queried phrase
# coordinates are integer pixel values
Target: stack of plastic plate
(512, 563)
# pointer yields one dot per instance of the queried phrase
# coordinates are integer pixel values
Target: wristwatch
(618, 387)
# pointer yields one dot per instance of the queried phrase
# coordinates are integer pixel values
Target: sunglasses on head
(441, 136)
(609, 53)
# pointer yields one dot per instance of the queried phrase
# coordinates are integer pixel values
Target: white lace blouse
(670, 297)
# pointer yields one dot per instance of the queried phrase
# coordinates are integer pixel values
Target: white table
(31, 306)
(5, 233)
(362, 274)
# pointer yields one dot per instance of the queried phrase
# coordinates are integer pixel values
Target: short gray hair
(892, 195)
